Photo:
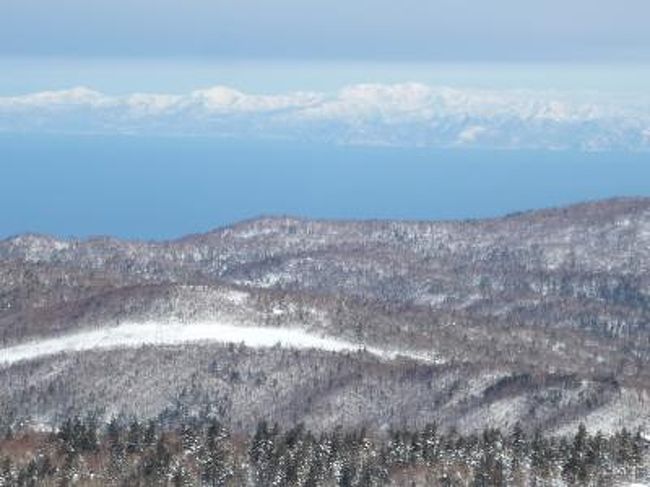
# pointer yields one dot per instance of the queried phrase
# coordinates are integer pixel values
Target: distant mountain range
(375, 114)
(541, 318)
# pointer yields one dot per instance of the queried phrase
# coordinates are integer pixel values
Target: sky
(379, 30)
(503, 74)
(420, 109)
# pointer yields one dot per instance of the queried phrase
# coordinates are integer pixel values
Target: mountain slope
(541, 317)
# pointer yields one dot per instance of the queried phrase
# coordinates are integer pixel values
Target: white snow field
(130, 335)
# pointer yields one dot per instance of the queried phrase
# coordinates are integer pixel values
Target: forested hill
(540, 318)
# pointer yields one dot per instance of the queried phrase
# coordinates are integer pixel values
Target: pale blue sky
(20, 75)
(425, 30)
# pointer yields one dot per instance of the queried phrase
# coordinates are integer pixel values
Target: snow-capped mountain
(405, 114)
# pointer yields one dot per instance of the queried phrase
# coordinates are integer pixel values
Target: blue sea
(159, 188)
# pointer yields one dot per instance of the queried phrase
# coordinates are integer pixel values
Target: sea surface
(160, 188)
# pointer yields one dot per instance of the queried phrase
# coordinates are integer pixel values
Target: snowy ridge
(404, 114)
(130, 335)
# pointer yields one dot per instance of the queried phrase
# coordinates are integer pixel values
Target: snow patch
(130, 335)
(236, 297)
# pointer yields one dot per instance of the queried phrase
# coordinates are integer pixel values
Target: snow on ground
(236, 297)
(628, 409)
(129, 335)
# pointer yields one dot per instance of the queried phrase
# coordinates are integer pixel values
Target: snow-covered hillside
(539, 317)
(129, 335)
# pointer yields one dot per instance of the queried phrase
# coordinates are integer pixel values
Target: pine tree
(117, 459)
(189, 439)
(262, 451)
(575, 467)
(490, 469)
(134, 438)
(636, 459)
(156, 462)
(519, 454)
(429, 440)
(150, 433)
(6, 472)
(215, 462)
(595, 456)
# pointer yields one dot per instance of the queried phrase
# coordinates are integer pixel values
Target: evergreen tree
(6, 472)
(215, 462)
(156, 463)
(117, 458)
(134, 438)
(262, 452)
(575, 467)
(429, 440)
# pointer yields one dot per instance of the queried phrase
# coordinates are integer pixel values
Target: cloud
(408, 114)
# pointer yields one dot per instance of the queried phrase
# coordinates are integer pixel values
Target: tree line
(203, 452)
